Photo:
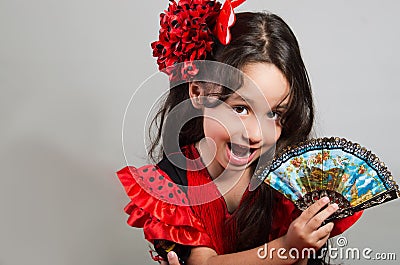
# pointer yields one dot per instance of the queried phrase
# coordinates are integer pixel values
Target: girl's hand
(172, 259)
(306, 231)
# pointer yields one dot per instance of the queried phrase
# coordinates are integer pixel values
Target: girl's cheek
(214, 128)
(222, 122)
(278, 131)
(271, 132)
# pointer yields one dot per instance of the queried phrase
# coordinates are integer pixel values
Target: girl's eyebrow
(236, 96)
(285, 106)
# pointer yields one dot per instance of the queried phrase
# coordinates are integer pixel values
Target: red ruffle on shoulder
(160, 207)
(286, 212)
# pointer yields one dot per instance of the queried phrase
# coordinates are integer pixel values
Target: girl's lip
(238, 161)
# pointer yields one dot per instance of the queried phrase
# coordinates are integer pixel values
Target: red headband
(185, 34)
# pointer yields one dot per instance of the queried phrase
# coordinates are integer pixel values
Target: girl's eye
(273, 115)
(241, 110)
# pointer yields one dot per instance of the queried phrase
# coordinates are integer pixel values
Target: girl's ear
(196, 94)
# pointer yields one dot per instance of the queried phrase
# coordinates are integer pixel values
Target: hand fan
(347, 173)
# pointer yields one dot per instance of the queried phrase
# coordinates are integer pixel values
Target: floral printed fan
(347, 173)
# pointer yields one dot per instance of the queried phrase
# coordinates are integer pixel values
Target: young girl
(197, 196)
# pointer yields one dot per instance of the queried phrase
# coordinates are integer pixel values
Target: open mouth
(240, 150)
(240, 154)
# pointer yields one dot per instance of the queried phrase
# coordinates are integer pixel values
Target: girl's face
(247, 124)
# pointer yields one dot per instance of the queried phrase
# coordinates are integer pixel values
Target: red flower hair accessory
(186, 34)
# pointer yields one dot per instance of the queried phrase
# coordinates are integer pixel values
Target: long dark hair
(256, 37)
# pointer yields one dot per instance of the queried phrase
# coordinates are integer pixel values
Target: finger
(164, 263)
(173, 258)
(322, 241)
(324, 231)
(320, 217)
(313, 209)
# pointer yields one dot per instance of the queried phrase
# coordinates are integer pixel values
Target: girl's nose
(252, 132)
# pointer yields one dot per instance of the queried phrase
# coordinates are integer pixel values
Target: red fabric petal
(185, 22)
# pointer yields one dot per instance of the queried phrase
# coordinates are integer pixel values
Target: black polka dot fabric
(159, 185)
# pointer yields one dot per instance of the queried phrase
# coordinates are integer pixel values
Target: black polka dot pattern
(161, 186)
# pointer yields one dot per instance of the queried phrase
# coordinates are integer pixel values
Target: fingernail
(171, 254)
(335, 206)
(325, 199)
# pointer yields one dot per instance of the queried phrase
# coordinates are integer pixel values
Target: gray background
(68, 70)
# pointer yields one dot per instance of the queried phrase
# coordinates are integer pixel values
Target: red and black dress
(171, 205)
